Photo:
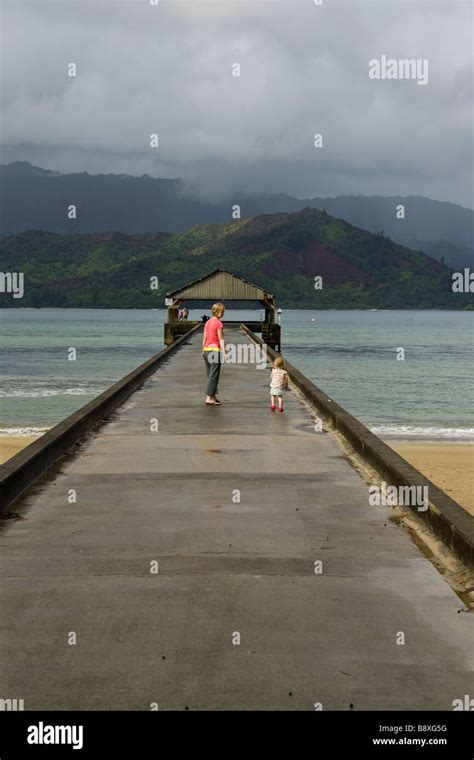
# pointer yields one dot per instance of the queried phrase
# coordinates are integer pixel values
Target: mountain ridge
(283, 253)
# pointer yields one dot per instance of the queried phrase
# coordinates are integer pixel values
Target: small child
(278, 383)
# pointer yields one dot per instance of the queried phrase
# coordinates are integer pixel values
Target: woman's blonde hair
(218, 309)
(279, 363)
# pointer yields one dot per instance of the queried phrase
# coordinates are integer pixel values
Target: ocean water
(351, 355)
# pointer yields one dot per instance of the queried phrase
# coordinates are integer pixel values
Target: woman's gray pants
(213, 361)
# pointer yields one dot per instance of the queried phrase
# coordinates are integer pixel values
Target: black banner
(150, 734)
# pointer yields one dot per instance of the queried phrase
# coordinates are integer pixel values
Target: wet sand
(449, 465)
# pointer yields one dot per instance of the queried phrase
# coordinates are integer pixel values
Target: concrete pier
(196, 528)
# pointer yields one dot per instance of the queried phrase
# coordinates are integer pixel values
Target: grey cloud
(304, 69)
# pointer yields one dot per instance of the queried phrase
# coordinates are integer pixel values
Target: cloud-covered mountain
(35, 198)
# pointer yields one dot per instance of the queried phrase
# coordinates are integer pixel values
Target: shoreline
(449, 464)
(286, 308)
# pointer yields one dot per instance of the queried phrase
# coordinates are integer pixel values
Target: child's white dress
(278, 381)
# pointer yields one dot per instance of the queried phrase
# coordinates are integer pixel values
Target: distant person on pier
(278, 383)
(185, 312)
(213, 351)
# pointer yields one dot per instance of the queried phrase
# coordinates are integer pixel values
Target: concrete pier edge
(21, 471)
(445, 517)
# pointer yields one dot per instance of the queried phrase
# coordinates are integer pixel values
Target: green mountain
(281, 252)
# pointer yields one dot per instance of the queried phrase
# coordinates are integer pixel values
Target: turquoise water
(351, 355)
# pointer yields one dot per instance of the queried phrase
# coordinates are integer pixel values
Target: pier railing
(19, 472)
(446, 518)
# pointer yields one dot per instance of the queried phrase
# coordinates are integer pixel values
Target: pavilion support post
(272, 336)
(270, 329)
(173, 312)
(269, 304)
(170, 331)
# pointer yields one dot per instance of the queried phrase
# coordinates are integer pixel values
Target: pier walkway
(197, 527)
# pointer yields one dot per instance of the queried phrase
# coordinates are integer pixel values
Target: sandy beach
(10, 445)
(449, 465)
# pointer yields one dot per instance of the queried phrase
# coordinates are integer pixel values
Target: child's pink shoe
(280, 409)
(273, 408)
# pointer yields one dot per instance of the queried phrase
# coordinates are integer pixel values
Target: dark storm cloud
(304, 69)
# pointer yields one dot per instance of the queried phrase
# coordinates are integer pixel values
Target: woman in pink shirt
(213, 351)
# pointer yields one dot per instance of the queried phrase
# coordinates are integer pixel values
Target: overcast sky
(167, 69)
